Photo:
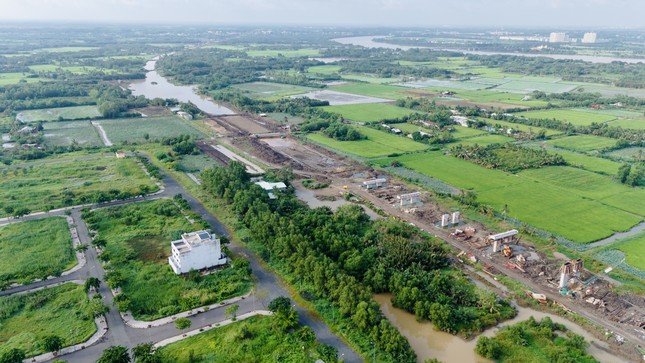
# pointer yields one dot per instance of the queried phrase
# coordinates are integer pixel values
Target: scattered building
(196, 251)
(461, 120)
(558, 37)
(589, 37)
(445, 220)
(185, 115)
(271, 187)
(375, 183)
(120, 155)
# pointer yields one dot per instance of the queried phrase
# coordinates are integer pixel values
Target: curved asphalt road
(121, 334)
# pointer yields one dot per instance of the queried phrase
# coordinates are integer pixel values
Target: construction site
(260, 142)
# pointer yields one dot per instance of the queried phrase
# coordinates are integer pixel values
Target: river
(157, 86)
(369, 42)
(430, 343)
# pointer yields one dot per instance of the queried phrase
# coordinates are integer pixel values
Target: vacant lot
(138, 239)
(369, 112)
(271, 90)
(583, 143)
(262, 344)
(575, 117)
(26, 319)
(35, 250)
(135, 129)
(539, 202)
(53, 114)
(66, 133)
(67, 182)
(379, 143)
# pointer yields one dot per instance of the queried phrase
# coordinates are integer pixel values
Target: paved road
(120, 334)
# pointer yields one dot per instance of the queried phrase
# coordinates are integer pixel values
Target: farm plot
(50, 184)
(67, 133)
(378, 143)
(525, 86)
(336, 98)
(631, 153)
(582, 143)
(636, 124)
(271, 90)
(368, 78)
(35, 250)
(442, 83)
(138, 239)
(135, 129)
(578, 118)
(27, 319)
(532, 201)
(598, 165)
(59, 113)
(13, 78)
(375, 90)
(634, 249)
(520, 127)
(484, 140)
(369, 112)
(325, 70)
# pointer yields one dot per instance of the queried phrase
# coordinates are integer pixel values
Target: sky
(591, 14)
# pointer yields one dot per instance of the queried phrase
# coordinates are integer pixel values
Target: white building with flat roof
(270, 187)
(196, 251)
(589, 37)
(558, 37)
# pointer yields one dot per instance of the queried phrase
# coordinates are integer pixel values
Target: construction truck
(507, 251)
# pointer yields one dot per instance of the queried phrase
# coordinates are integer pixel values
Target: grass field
(578, 118)
(582, 142)
(135, 129)
(375, 90)
(67, 182)
(138, 239)
(35, 250)
(197, 163)
(636, 124)
(631, 153)
(634, 249)
(324, 70)
(261, 344)
(379, 143)
(26, 319)
(13, 78)
(271, 90)
(496, 99)
(72, 69)
(590, 163)
(53, 114)
(67, 132)
(542, 203)
(304, 52)
(527, 85)
(369, 78)
(369, 112)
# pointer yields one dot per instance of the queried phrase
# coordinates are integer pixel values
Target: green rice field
(379, 143)
(35, 250)
(369, 112)
(536, 198)
(53, 114)
(324, 70)
(636, 124)
(484, 140)
(578, 118)
(376, 90)
(582, 142)
(590, 163)
(26, 319)
(67, 132)
(135, 129)
(634, 249)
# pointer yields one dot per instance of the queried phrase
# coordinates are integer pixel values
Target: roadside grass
(26, 319)
(537, 202)
(270, 89)
(575, 117)
(197, 163)
(255, 339)
(35, 250)
(369, 112)
(130, 130)
(39, 186)
(66, 133)
(583, 143)
(375, 90)
(53, 114)
(599, 165)
(378, 143)
(138, 240)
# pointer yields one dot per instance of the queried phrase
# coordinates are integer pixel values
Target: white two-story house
(196, 251)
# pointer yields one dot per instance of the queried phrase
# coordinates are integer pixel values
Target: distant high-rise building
(589, 37)
(558, 37)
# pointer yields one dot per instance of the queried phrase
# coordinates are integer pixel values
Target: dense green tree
(13, 355)
(115, 354)
(52, 343)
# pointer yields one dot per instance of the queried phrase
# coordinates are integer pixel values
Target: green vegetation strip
(63, 311)
(578, 118)
(60, 113)
(369, 112)
(35, 250)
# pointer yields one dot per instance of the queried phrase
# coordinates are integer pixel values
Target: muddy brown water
(430, 343)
